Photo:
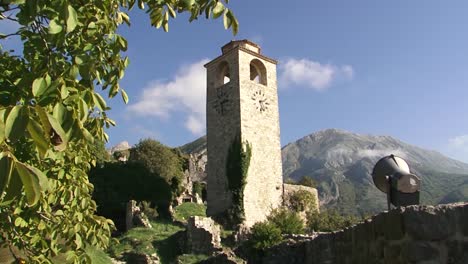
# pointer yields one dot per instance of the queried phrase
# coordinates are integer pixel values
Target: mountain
(341, 163)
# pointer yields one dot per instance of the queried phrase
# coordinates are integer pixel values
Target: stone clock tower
(242, 102)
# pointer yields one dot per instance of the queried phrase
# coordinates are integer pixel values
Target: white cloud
(459, 142)
(312, 74)
(185, 93)
(457, 148)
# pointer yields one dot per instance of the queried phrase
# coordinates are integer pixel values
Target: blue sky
(397, 68)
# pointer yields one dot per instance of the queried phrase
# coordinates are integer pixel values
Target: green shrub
(198, 188)
(308, 181)
(302, 200)
(264, 235)
(289, 222)
(117, 183)
(148, 210)
(328, 221)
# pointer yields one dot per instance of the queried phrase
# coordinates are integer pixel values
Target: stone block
(430, 223)
(457, 252)
(203, 235)
(415, 251)
(393, 225)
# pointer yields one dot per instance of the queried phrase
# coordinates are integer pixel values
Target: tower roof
(245, 43)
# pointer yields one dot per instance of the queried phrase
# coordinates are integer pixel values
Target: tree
(157, 158)
(51, 114)
(308, 181)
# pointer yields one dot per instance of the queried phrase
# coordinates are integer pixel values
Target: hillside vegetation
(341, 163)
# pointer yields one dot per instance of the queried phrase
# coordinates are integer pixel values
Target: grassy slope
(160, 239)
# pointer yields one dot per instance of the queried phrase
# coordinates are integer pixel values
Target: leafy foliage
(157, 158)
(51, 114)
(328, 221)
(308, 181)
(199, 188)
(117, 183)
(289, 222)
(264, 235)
(237, 167)
(302, 200)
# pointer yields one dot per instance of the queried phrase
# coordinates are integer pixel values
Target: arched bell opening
(258, 72)
(224, 74)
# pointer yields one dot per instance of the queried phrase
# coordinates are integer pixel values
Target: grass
(98, 256)
(185, 210)
(191, 258)
(160, 238)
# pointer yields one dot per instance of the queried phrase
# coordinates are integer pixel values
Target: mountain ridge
(341, 163)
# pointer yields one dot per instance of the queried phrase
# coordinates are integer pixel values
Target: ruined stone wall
(414, 234)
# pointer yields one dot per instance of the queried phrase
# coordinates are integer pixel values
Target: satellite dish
(392, 176)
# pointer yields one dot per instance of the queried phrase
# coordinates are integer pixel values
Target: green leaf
(78, 241)
(171, 11)
(16, 122)
(99, 101)
(6, 168)
(39, 86)
(58, 137)
(54, 26)
(234, 23)
(124, 96)
(44, 120)
(188, 3)
(42, 178)
(2, 131)
(60, 113)
(39, 137)
(218, 9)
(14, 186)
(72, 19)
(30, 182)
(83, 107)
(226, 20)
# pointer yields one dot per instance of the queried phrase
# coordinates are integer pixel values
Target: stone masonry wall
(240, 116)
(263, 190)
(413, 234)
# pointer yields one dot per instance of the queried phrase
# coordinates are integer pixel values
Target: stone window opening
(224, 74)
(258, 72)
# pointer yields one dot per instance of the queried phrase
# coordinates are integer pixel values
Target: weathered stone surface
(203, 235)
(414, 251)
(249, 109)
(224, 257)
(393, 226)
(135, 217)
(463, 217)
(429, 223)
(136, 258)
(372, 242)
(457, 252)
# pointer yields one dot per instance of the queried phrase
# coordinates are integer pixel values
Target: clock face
(260, 100)
(222, 102)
